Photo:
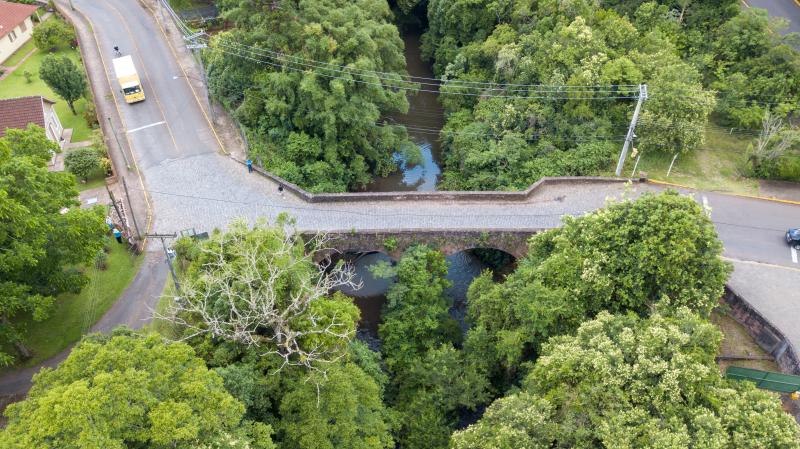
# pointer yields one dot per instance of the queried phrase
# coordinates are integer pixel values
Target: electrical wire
(234, 52)
(424, 80)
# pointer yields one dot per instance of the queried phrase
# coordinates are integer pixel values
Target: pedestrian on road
(118, 235)
(280, 190)
(249, 166)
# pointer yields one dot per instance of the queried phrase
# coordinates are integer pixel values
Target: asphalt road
(192, 185)
(780, 8)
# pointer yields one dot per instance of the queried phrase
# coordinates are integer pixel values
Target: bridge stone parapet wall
(766, 335)
(520, 195)
(394, 243)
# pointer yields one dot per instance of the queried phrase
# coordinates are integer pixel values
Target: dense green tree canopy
(627, 382)
(418, 337)
(314, 116)
(343, 409)
(259, 287)
(52, 33)
(128, 391)
(39, 245)
(64, 77)
(660, 251)
(514, 129)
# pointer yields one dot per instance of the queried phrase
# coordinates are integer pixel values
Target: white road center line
(794, 255)
(145, 127)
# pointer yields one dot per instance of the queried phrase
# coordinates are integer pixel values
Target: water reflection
(462, 268)
(372, 294)
(424, 120)
(422, 176)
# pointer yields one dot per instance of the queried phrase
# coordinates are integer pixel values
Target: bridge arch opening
(464, 266)
(371, 297)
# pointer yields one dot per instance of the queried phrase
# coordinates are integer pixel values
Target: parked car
(793, 237)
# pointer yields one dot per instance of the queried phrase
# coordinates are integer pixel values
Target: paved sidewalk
(773, 291)
(107, 113)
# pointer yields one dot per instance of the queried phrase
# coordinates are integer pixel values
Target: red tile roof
(19, 112)
(12, 14)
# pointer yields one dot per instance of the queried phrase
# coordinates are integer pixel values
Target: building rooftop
(19, 112)
(12, 14)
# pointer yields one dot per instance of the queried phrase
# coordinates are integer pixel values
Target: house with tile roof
(16, 27)
(20, 112)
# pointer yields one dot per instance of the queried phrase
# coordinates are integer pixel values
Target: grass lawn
(74, 314)
(188, 4)
(715, 167)
(92, 183)
(737, 342)
(15, 85)
(19, 54)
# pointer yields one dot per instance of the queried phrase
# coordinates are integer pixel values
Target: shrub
(390, 244)
(53, 33)
(83, 162)
(90, 115)
(28, 76)
(101, 260)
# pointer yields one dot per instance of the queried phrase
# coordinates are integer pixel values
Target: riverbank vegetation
(602, 334)
(308, 80)
(530, 89)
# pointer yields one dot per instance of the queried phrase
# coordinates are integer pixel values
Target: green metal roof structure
(767, 380)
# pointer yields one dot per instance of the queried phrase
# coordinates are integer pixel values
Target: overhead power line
(234, 52)
(275, 55)
(559, 95)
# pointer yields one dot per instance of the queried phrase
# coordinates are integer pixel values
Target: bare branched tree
(774, 141)
(267, 293)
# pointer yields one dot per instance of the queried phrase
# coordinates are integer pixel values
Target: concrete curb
(766, 335)
(739, 195)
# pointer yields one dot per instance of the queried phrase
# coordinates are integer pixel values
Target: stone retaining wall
(435, 196)
(768, 337)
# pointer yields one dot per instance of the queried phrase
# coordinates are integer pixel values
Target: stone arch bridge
(451, 241)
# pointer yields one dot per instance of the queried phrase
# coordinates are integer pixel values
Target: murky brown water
(462, 268)
(423, 122)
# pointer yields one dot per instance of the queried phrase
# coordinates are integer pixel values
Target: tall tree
(300, 76)
(627, 382)
(341, 410)
(126, 391)
(39, 245)
(64, 77)
(52, 33)
(418, 337)
(259, 288)
(657, 252)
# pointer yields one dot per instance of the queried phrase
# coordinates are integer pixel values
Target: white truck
(128, 79)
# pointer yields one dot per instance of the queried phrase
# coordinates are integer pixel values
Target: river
(462, 268)
(423, 122)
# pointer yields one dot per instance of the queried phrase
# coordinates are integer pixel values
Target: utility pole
(121, 150)
(195, 47)
(169, 259)
(116, 207)
(629, 137)
(130, 206)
